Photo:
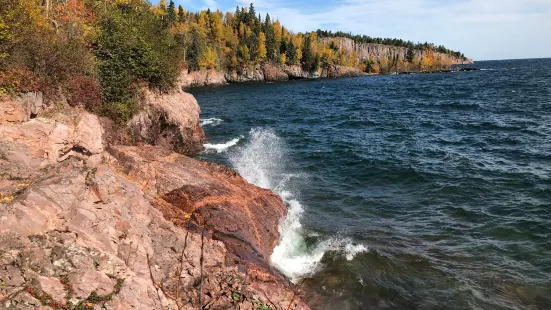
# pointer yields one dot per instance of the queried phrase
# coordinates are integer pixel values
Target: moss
(94, 298)
(45, 299)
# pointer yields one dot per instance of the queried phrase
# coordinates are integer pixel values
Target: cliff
(88, 223)
(380, 51)
(263, 73)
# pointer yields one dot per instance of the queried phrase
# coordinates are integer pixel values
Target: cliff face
(380, 51)
(90, 224)
(262, 73)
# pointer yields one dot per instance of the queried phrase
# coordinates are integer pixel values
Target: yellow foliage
(209, 59)
(6, 199)
(261, 49)
(282, 58)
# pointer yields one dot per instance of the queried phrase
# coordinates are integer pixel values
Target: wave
(262, 162)
(222, 147)
(211, 121)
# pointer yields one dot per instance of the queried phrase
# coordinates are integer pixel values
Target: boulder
(243, 216)
(274, 73)
(20, 109)
(209, 77)
(250, 73)
(169, 120)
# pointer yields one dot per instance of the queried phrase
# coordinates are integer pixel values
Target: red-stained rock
(243, 216)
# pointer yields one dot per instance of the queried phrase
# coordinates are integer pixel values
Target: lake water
(404, 192)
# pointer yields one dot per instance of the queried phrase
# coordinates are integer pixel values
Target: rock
(169, 120)
(51, 286)
(201, 78)
(380, 51)
(84, 282)
(250, 73)
(20, 109)
(243, 216)
(274, 73)
(120, 229)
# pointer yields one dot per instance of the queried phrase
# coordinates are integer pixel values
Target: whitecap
(222, 147)
(262, 162)
(211, 121)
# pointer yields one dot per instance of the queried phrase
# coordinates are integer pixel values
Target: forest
(99, 53)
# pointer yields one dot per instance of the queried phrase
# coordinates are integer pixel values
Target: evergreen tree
(171, 13)
(237, 18)
(307, 55)
(291, 54)
(181, 14)
(252, 16)
(270, 39)
(196, 48)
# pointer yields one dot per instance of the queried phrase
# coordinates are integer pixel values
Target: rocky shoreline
(273, 73)
(263, 73)
(94, 217)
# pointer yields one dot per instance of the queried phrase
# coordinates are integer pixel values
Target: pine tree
(270, 39)
(291, 54)
(307, 56)
(181, 14)
(171, 13)
(252, 16)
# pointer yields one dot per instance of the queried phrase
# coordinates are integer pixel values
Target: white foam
(222, 147)
(211, 121)
(262, 162)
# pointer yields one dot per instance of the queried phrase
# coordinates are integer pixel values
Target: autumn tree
(261, 52)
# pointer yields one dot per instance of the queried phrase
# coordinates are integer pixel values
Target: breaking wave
(222, 147)
(262, 162)
(211, 121)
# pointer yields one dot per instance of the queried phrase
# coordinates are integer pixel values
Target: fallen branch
(201, 262)
(180, 272)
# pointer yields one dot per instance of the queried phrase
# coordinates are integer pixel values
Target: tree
(252, 16)
(271, 43)
(181, 14)
(291, 53)
(171, 13)
(196, 48)
(308, 61)
(261, 48)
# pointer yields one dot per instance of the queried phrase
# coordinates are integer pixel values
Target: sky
(481, 29)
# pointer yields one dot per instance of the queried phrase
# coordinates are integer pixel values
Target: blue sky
(482, 29)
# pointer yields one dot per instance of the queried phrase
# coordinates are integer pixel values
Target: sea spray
(262, 162)
(210, 121)
(222, 147)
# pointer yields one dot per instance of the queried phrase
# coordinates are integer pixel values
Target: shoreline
(212, 78)
(131, 208)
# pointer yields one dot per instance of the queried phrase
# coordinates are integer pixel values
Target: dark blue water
(405, 192)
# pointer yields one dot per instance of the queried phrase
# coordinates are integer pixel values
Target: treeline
(99, 53)
(393, 42)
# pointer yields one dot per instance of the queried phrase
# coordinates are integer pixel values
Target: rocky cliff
(262, 73)
(89, 224)
(380, 51)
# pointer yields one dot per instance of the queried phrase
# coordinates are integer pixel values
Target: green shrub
(134, 47)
